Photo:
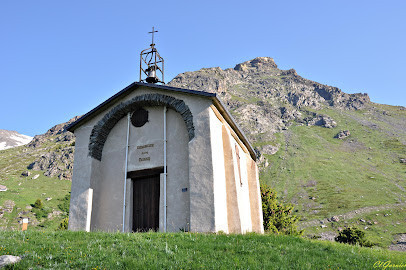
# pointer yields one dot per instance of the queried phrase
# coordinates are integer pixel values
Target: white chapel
(154, 157)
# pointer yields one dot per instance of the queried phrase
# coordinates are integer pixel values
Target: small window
(139, 117)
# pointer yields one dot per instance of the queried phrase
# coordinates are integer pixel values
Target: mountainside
(339, 158)
(10, 139)
(264, 98)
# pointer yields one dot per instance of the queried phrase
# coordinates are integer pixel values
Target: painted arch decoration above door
(102, 129)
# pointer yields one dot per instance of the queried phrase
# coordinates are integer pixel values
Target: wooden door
(146, 203)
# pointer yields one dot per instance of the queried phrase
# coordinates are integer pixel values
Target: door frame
(145, 172)
(139, 174)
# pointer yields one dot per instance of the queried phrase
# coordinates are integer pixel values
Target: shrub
(64, 205)
(278, 218)
(41, 212)
(64, 224)
(353, 236)
(38, 204)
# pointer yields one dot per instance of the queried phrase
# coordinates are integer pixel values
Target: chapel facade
(154, 157)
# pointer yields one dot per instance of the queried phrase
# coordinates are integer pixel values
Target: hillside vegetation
(80, 250)
(358, 179)
(36, 171)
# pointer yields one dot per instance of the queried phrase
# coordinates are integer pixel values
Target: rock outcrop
(59, 129)
(57, 161)
(343, 134)
(265, 99)
(262, 79)
(26, 173)
(8, 260)
(315, 119)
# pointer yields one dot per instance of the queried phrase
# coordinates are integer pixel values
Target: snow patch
(3, 146)
(21, 139)
(10, 139)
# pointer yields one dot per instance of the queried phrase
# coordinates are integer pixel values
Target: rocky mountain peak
(59, 129)
(266, 98)
(260, 78)
(257, 63)
(55, 161)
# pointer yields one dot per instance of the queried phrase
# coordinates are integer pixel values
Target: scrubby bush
(39, 210)
(353, 236)
(64, 224)
(38, 204)
(41, 213)
(278, 218)
(64, 205)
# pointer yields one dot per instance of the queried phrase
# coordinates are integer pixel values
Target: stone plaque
(147, 155)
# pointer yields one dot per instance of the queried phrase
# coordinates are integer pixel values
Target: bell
(152, 78)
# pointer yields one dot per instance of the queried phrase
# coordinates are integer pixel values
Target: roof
(127, 90)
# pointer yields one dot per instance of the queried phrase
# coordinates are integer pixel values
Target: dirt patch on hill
(352, 145)
(400, 244)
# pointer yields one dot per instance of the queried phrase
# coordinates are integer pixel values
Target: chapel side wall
(240, 181)
(255, 197)
(243, 196)
(219, 174)
(233, 213)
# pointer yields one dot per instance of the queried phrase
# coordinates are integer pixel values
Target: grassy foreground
(80, 250)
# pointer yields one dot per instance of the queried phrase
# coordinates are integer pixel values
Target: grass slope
(80, 250)
(359, 177)
(24, 191)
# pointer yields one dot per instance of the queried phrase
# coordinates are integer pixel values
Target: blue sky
(59, 59)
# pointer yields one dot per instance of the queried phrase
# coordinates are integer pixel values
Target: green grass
(80, 250)
(355, 172)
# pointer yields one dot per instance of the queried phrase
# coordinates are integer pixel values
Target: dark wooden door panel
(146, 203)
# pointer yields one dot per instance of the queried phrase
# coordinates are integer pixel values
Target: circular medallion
(139, 117)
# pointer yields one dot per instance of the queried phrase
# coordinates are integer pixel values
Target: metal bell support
(151, 64)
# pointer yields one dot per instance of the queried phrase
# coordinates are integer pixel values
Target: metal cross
(153, 31)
